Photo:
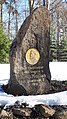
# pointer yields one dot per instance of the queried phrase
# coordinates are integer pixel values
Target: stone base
(14, 89)
(33, 87)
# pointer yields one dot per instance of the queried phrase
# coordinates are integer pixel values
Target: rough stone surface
(22, 112)
(61, 112)
(41, 112)
(34, 77)
(44, 110)
(6, 115)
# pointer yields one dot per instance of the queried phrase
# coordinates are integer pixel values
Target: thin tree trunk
(16, 16)
(31, 3)
(43, 2)
(9, 24)
(16, 24)
(0, 14)
(58, 55)
(47, 3)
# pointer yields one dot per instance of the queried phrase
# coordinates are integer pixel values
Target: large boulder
(29, 56)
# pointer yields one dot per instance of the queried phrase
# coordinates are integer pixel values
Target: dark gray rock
(44, 110)
(61, 112)
(23, 112)
(6, 115)
(29, 56)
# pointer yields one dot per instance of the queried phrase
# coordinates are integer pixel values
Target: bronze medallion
(32, 56)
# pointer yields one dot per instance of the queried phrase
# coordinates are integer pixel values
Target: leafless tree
(58, 14)
(31, 3)
(47, 3)
(1, 4)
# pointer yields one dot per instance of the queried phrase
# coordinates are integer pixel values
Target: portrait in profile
(32, 56)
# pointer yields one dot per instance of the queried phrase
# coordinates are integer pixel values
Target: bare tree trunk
(47, 3)
(9, 22)
(25, 9)
(16, 16)
(31, 3)
(58, 57)
(0, 14)
(43, 2)
(1, 3)
(16, 24)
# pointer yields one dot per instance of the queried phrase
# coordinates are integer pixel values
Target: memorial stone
(29, 56)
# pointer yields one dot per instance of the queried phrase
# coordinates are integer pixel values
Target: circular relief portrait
(32, 56)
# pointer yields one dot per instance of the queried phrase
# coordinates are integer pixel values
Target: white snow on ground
(58, 72)
(48, 99)
(4, 73)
